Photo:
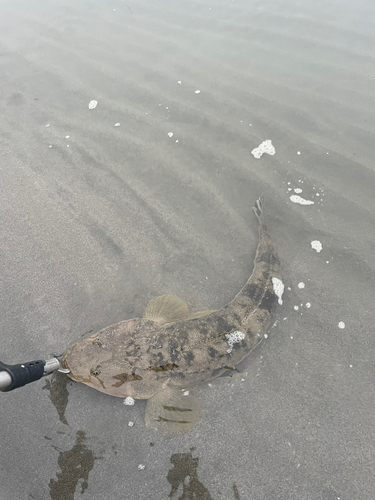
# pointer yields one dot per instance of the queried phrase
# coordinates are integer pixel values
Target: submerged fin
(171, 412)
(165, 309)
(259, 210)
(200, 314)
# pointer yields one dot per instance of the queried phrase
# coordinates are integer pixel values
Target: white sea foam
(301, 201)
(264, 147)
(278, 288)
(93, 104)
(316, 245)
(234, 338)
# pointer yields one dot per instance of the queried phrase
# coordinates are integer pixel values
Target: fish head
(94, 368)
(116, 360)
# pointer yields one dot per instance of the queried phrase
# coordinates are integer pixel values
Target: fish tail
(259, 213)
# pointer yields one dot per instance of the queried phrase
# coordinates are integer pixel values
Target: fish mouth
(64, 364)
(65, 368)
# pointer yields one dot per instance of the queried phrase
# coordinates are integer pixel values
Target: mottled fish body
(168, 350)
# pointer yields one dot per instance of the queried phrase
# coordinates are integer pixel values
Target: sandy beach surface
(126, 172)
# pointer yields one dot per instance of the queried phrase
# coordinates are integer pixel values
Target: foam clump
(298, 199)
(264, 147)
(278, 288)
(316, 245)
(234, 338)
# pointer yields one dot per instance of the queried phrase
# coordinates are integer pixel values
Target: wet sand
(96, 219)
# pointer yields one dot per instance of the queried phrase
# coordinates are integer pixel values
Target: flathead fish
(159, 356)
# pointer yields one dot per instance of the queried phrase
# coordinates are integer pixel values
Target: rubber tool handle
(24, 373)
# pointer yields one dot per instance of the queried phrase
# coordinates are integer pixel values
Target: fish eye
(96, 371)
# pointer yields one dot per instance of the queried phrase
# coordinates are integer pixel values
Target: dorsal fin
(165, 309)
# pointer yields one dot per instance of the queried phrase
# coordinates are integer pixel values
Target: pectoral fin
(171, 412)
(165, 309)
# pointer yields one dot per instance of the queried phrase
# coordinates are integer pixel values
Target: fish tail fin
(259, 213)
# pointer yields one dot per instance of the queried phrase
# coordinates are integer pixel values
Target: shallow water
(151, 192)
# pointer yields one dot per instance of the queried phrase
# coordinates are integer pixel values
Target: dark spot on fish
(237, 345)
(250, 335)
(173, 353)
(160, 358)
(175, 408)
(212, 352)
(217, 372)
(155, 345)
(184, 340)
(97, 342)
(189, 357)
(223, 325)
(162, 368)
(133, 352)
(269, 258)
(244, 345)
(162, 419)
(253, 291)
(268, 301)
(125, 377)
(203, 329)
(236, 317)
(244, 304)
(265, 257)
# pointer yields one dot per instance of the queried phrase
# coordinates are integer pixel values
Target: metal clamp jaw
(14, 376)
